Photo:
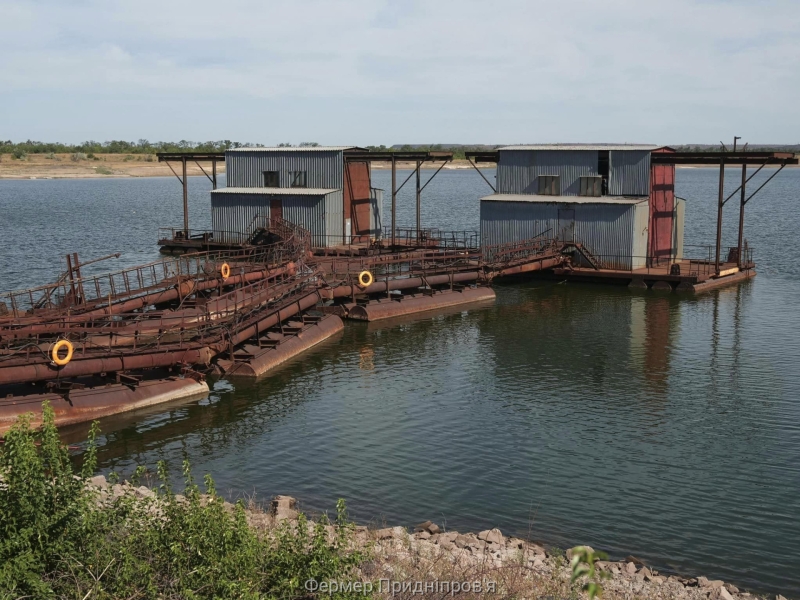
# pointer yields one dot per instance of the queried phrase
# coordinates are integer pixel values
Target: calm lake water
(661, 426)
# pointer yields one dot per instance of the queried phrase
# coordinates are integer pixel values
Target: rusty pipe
(107, 364)
(402, 284)
(284, 313)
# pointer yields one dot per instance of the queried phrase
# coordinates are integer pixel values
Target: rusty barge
(297, 246)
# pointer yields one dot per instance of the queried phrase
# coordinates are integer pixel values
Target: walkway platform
(682, 276)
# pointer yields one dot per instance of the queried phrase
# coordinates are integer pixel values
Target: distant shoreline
(110, 166)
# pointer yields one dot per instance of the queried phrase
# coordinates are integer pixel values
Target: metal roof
(275, 191)
(565, 199)
(582, 147)
(295, 149)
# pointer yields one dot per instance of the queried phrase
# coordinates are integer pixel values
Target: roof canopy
(296, 149)
(648, 147)
(541, 199)
(274, 191)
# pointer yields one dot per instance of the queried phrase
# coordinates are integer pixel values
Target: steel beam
(394, 199)
(742, 201)
(719, 211)
(185, 183)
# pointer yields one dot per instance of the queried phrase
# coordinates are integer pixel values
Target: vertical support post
(419, 204)
(185, 183)
(394, 199)
(741, 214)
(719, 211)
(76, 265)
(213, 173)
(71, 278)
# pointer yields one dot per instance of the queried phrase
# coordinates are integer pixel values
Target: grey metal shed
(319, 210)
(613, 228)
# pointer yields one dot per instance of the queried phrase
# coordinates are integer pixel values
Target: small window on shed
(297, 179)
(591, 186)
(549, 185)
(271, 179)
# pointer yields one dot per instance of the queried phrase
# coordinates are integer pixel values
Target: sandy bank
(62, 166)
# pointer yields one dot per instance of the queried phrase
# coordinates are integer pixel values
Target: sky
(367, 72)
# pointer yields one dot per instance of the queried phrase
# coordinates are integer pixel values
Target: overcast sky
(386, 72)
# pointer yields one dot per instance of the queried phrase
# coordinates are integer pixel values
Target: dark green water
(644, 424)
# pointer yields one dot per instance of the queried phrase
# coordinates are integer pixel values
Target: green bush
(103, 171)
(19, 154)
(63, 538)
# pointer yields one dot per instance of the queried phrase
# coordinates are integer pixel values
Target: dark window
(603, 166)
(591, 186)
(298, 179)
(271, 179)
(549, 185)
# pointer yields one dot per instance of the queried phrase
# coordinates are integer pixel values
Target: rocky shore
(426, 558)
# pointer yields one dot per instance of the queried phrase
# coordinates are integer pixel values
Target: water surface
(655, 425)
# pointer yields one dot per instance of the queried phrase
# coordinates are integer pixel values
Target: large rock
(450, 536)
(630, 568)
(98, 481)
(390, 532)
(571, 552)
(536, 549)
(492, 536)
(710, 584)
(720, 593)
(428, 526)
(282, 508)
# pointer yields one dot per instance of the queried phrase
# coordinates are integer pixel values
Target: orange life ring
(365, 279)
(225, 270)
(57, 347)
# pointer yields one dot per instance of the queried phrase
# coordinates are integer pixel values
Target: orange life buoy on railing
(57, 347)
(225, 270)
(365, 279)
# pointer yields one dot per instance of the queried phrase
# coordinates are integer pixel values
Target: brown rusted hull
(95, 402)
(712, 284)
(266, 359)
(389, 308)
(537, 265)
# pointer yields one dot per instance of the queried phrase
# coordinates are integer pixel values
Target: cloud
(620, 68)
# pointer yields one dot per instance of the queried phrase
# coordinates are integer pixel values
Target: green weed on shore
(62, 538)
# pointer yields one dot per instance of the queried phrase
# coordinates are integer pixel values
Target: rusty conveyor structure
(98, 345)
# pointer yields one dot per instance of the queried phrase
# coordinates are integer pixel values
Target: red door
(357, 202)
(662, 208)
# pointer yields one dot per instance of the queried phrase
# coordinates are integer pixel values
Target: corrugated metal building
(304, 185)
(596, 194)
(319, 210)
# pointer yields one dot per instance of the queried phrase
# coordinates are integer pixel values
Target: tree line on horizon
(143, 146)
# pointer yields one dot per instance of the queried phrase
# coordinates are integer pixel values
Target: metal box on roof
(518, 171)
(323, 167)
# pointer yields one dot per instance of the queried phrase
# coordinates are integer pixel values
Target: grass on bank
(62, 538)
